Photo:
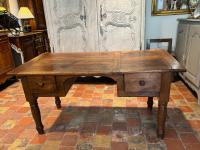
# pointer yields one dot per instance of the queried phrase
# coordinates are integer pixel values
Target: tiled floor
(94, 118)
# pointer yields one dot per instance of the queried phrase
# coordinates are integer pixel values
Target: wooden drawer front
(42, 84)
(6, 60)
(38, 40)
(142, 82)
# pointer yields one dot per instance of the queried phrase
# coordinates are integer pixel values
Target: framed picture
(173, 7)
(4, 4)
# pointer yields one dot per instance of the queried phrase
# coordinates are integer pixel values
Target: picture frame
(173, 7)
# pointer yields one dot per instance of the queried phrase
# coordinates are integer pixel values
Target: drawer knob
(142, 83)
(41, 84)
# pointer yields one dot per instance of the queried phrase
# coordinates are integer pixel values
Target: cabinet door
(6, 62)
(181, 42)
(193, 55)
(68, 21)
(120, 24)
(28, 47)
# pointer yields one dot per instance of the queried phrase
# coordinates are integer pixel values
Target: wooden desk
(137, 73)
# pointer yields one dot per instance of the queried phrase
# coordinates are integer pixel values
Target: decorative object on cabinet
(100, 25)
(25, 14)
(160, 41)
(27, 46)
(6, 60)
(10, 22)
(188, 53)
(172, 7)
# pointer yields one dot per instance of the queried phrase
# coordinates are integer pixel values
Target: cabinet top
(3, 33)
(189, 20)
(24, 34)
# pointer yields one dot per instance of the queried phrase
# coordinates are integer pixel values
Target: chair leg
(58, 102)
(150, 103)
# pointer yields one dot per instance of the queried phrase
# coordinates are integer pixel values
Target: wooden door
(181, 43)
(69, 22)
(193, 55)
(120, 24)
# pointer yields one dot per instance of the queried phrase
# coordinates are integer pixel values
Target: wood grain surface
(99, 63)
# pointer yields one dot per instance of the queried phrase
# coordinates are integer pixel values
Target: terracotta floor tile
(26, 121)
(39, 139)
(133, 122)
(177, 97)
(9, 138)
(121, 126)
(192, 146)
(185, 108)
(119, 146)
(23, 110)
(104, 130)
(188, 138)
(69, 140)
(171, 134)
(55, 135)
(173, 144)
(101, 148)
(91, 111)
(195, 124)
(67, 148)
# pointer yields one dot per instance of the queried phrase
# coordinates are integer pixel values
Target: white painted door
(94, 25)
(69, 25)
(120, 24)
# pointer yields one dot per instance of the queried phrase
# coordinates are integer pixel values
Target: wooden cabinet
(30, 44)
(95, 25)
(6, 60)
(188, 53)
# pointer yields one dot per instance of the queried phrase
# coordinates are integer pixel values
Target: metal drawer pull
(142, 83)
(41, 84)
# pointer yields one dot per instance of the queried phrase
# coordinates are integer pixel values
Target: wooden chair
(163, 40)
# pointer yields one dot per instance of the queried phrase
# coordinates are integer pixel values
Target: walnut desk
(137, 73)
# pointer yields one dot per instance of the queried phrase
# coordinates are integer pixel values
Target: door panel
(181, 42)
(69, 25)
(119, 24)
(94, 25)
(193, 55)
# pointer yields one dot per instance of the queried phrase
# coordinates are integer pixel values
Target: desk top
(94, 63)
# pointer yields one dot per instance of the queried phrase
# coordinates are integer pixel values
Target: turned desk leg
(58, 102)
(162, 103)
(36, 115)
(150, 103)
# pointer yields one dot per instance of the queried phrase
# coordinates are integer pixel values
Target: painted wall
(13, 7)
(161, 26)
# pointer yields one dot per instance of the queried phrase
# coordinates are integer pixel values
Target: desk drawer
(42, 84)
(142, 82)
